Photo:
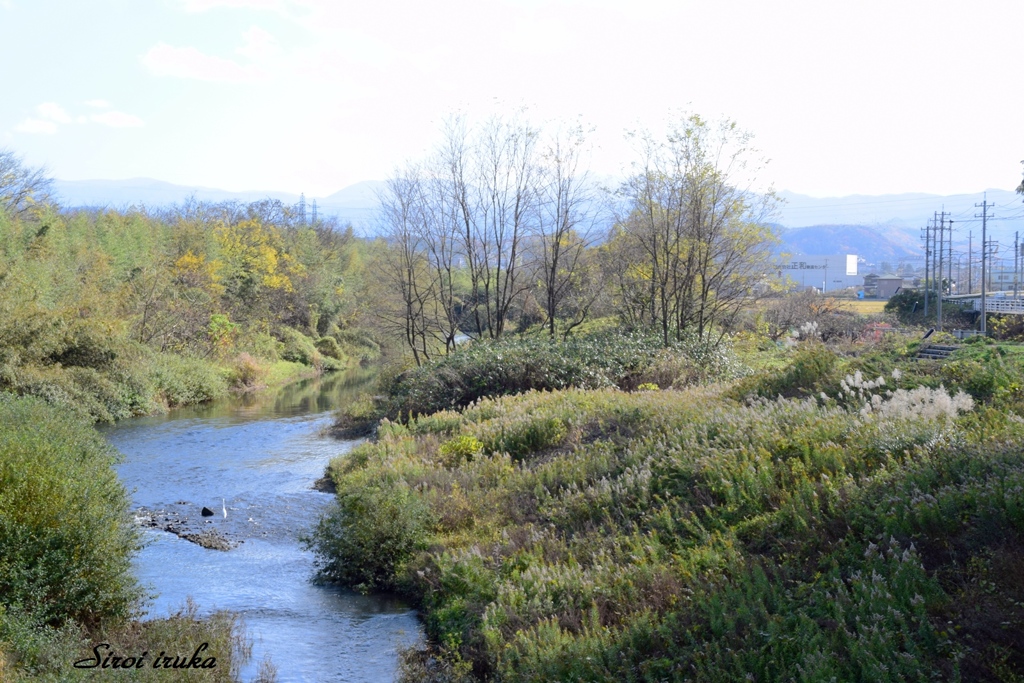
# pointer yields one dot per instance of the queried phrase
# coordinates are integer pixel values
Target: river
(256, 457)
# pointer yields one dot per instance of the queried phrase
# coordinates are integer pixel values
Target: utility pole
(1016, 260)
(927, 257)
(950, 254)
(970, 255)
(984, 252)
(940, 222)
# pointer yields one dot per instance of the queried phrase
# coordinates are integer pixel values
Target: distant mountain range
(354, 204)
(875, 227)
(866, 242)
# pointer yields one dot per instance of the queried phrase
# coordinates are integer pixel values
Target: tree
(255, 269)
(567, 216)
(23, 190)
(456, 229)
(1020, 188)
(697, 240)
(405, 264)
(489, 195)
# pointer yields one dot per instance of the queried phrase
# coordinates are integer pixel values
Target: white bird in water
(224, 507)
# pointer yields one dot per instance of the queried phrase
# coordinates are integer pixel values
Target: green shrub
(807, 373)
(65, 537)
(45, 655)
(329, 347)
(247, 372)
(183, 380)
(260, 345)
(460, 449)
(298, 348)
(977, 379)
(518, 364)
(358, 342)
(368, 535)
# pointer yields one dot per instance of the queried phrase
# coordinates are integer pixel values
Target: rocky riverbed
(191, 528)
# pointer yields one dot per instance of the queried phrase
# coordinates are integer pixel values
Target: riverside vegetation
(65, 560)
(848, 513)
(106, 314)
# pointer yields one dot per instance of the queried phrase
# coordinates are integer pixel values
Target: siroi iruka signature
(111, 660)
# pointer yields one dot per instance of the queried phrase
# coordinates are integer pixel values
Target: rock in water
(207, 512)
(209, 539)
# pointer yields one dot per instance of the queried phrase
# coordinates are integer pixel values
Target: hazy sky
(313, 95)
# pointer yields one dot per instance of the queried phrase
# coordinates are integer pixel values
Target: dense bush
(298, 348)
(908, 307)
(112, 314)
(247, 372)
(811, 368)
(366, 538)
(181, 380)
(517, 364)
(359, 343)
(65, 537)
(329, 347)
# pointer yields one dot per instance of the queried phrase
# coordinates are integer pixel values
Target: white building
(824, 273)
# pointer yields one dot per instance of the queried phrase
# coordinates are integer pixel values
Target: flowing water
(256, 458)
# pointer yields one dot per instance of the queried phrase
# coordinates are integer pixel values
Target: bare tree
(405, 266)
(471, 229)
(490, 199)
(567, 216)
(23, 190)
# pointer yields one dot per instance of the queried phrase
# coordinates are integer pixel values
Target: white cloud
(52, 111)
(99, 104)
(117, 119)
(189, 62)
(204, 5)
(47, 117)
(7, 4)
(259, 45)
(31, 125)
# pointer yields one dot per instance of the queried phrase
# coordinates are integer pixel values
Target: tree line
(503, 227)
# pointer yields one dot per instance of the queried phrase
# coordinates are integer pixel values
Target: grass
(284, 371)
(844, 533)
(862, 306)
(47, 656)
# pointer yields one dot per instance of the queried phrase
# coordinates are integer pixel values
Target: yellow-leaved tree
(254, 265)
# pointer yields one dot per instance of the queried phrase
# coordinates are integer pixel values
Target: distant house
(888, 285)
(882, 286)
(871, 284)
